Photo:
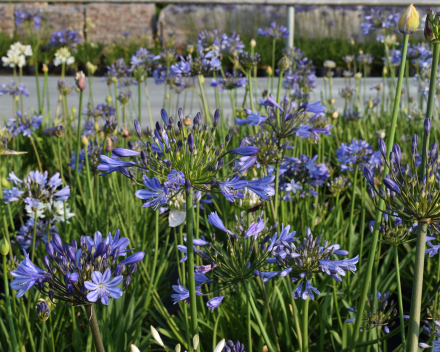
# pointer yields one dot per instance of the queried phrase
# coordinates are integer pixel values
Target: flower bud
(284, 63)
(45, 68)
(427, 125)
(187, 121)
(269, 71)
(80, 80)
(190, 142)
(109, 99)
(134, 348)
(4, 246)
(91, 69)
(216, 118)
(187, 186)
(156, 336)
(409, 22)
(428, 31)
(43, 310)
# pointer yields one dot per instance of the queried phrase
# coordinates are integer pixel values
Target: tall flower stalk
(375, 235)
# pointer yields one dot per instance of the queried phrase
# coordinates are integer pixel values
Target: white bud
(195, 342)
(134, 348)
(156, 336)
(177, 349)
(220, 346)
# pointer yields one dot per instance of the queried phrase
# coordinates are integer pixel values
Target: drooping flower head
(306, 259)
(24, 124)
(230, 262)
(380, 317)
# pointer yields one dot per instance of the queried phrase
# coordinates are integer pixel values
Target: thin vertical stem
(375, 236)
(36, 154)
(399, 295)
(139, 102)
(43, 332)
(305, 326)
(156, 253)
(13, 337)
(78, 140)
(34, 236)
(249, 329)
(190, 260)
(91, 315)
(200, 79)
(416, 297)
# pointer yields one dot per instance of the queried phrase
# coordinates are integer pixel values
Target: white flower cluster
(63, 56)
(16, 55)
(52, 210)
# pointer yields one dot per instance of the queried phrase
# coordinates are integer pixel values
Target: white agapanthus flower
(53, 210)
(16, 55)
(63, 56)
(20, 49)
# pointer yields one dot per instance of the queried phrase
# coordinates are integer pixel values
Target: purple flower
(155, 194)
(230, 188)
(254, 229)
(273, 31)
(26, 275)
(245, 151)
(103, 286)
(215, 221)
(116, 242)
(175, 179)
(133, 259)
(262, 187)
(214, 302)
(391, 185)
(122, 153)
(270, 275)
(110, 165)
(253, 119)
(182, 294)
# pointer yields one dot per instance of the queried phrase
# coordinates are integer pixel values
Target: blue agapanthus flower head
(358, 151)
(200, 65)
(28, 13)
(65, 37)
(24, 124)
(229, 82)
(274, 31)
(14, 90)
(155, 194)
(26, 232)
(26, 275)
(306, 258)
(36, 188)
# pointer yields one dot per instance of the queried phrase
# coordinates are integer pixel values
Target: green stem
(34, 236)
(36, 154)
(78, 140)
(351, 223)
(305, 326)
(399, 295)
(277, 182)
(139, 102)
(202, 93)
(249, 329)
(89, 184)
(156, 253)
(375, 235)
(257, 316)
(43, 332)
(190, 260)
(273, 64)
(91, 315)
(150, 116)
(117, 103)
(416, 298)
(251, 94)
(13, 337)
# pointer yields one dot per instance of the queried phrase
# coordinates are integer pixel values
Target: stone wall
(102, 23)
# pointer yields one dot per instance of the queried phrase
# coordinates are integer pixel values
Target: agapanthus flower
(14, 90)
(230, 263)
(78, 275)
(36, 187)
(306, 259)
(64, 88)
(380, 317)
(29, 14)
(43, 310)
(270, 150)
(394, 232)
(65, 38)
(63, 56)
(26, 232)
(306, 172)
(405, 195)
(274, 31)
(291, 118)
(94, 150)
(142, 63)
(164, 161)
(212, 40)
(358, 151)
(200, 65)
(231, 81)
(338, 185)
(24, 124)
(118, 73)
(248, 60)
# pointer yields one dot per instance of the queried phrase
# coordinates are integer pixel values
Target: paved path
(100, 92)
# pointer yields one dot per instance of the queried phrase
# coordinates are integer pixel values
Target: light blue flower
(26, 275)
(103, 286)
(155, 194)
